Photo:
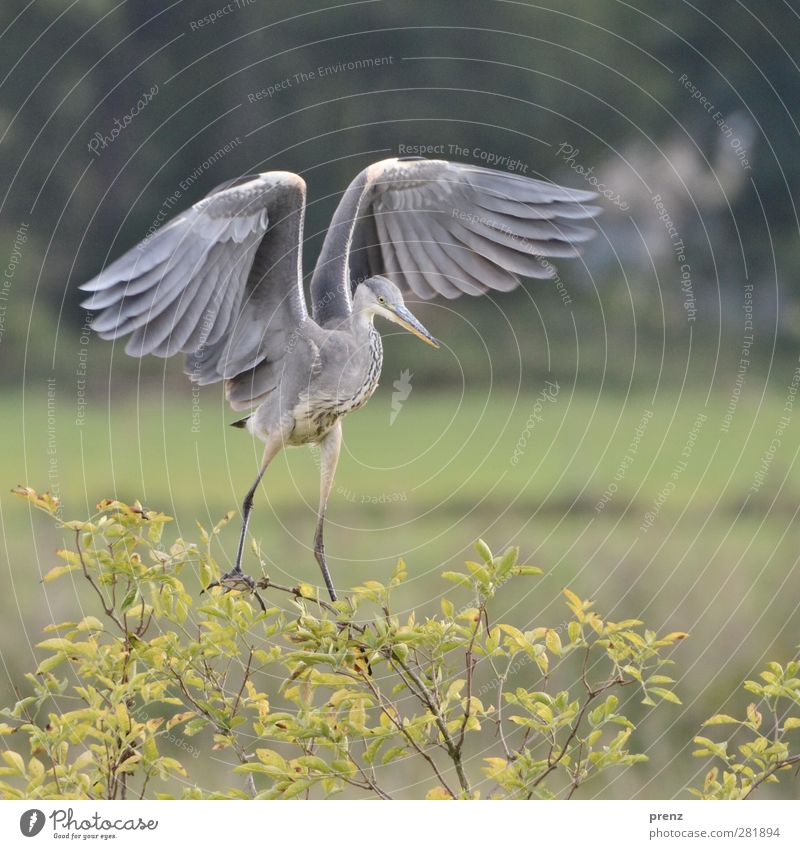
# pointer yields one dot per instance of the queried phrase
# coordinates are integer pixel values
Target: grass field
(653, 506)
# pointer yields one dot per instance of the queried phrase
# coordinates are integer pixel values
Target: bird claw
(237, 580)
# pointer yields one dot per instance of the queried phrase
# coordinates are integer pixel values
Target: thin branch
(506, 751)
(109, 610)
(370, 782)
(240, 753)
(268, 584)
(553, 762)
(244, 682)
(470, 665)
(795, 759)
(407, 734)
(452, 750)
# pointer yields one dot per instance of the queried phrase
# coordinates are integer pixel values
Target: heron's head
(379, 296)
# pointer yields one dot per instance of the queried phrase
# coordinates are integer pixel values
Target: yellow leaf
(553, 642)
(358, 717)
(454, 690)
(56, 644)
(58, 571)
(495, 767)
(753, 715)
(721, 719)
(667, 695)
(528, 570)
(470, 614)
(15, 761)
(50, 663)
(90, 623)
(83, 760)
(438, 793)
(270, 758)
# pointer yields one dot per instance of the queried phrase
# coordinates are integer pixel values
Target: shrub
(308, 698)
(765, 743)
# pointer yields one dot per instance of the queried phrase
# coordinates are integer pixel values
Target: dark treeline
(116, 115)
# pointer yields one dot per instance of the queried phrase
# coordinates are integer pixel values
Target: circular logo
(31, 822)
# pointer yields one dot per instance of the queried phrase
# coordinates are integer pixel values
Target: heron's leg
(330, 447)
(273, 445)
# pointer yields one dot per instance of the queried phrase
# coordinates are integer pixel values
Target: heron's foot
(236, 579)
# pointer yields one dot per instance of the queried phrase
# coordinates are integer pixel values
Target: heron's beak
(406, 320)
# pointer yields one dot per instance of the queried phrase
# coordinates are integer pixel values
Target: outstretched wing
(222, 282)
(444, 228)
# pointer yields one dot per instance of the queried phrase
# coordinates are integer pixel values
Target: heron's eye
(381, 300)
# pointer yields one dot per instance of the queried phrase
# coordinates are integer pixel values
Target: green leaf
(129, 599)
(483, 550)
(313, 762)
(710, 747)
(392, 754)
(507, 562)
(297, 788)
(372, 750)
(458, 578)
(480, 572)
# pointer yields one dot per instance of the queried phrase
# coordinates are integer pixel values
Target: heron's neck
(362, 322)
(368, 340)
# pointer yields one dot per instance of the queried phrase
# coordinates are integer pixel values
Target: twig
(244, 681)
(405, 732)
(795, 759)
(370, 782)
(553, 762)
(268, 584)
(470, 665)
(240, 753)
(427, 698)
(576, 779)
(109, 611)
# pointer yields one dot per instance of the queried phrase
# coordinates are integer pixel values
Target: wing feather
(446, 228)
(222, 282)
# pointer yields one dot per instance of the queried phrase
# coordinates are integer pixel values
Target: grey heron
(223, 283)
